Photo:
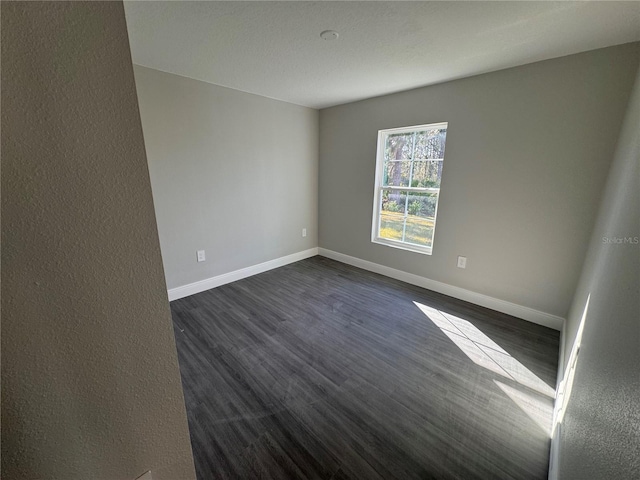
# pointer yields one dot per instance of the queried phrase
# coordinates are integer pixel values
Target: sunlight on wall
(536, 399)
(564, 389)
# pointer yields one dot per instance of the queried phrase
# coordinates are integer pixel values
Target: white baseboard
(213, 282)
(526, 313)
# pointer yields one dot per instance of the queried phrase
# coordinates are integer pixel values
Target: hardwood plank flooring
(319, 370)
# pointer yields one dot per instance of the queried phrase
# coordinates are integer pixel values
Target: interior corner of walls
(235, 275)
(184, 122)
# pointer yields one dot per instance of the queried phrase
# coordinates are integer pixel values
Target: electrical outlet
(462, 262)
(304, 232)
(201, 256)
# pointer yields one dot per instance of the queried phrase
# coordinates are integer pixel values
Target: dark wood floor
(322, 370)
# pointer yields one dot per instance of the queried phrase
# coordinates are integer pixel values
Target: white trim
(416, 128)
(526, 313)
(377, 198)
(409, 247)
(213, 282)
(411, 189)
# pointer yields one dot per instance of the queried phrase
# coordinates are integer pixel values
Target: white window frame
(377, 197)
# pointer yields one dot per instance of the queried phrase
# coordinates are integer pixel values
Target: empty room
(320, 240)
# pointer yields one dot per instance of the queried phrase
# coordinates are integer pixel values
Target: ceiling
(274, 49)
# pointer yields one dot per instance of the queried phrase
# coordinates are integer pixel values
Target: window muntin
(408, 173)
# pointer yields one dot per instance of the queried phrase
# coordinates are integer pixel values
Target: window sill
(403, 246)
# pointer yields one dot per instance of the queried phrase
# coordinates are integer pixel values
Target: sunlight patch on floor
(535, 406)
(536, 399)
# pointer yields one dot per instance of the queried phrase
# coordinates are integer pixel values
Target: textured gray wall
(90, 381)
(598, 437)
(528, 151)
(232, 173)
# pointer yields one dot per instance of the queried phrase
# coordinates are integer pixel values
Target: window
(408, 173)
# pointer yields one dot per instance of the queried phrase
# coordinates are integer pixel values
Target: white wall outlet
(304, 232)
(462, 262)
(201, 256)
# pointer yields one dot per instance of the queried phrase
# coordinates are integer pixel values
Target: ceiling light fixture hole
(329, 35)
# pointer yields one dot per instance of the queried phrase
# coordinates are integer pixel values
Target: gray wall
(528, 151)
(234, 174)
(90, 381)
(598, 437)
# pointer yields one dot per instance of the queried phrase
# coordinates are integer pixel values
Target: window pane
(427, 174)
(398, 147)
(392, 215)
(409, 171)
(408, 216)
(420, 218)
(396, 174)
(430, 144)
